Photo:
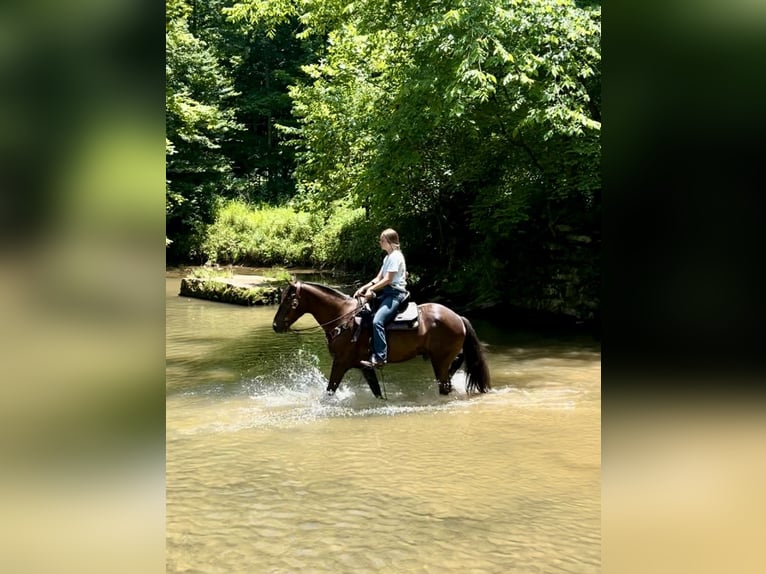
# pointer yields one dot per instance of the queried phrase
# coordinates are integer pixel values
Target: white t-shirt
(395, 262)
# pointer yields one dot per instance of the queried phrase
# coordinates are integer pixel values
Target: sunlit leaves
(388, 80)
(469, 119)
(269, 13)
(196, 87)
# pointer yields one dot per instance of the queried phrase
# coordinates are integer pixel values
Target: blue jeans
(390, 299)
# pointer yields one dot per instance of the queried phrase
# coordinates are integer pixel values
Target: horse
(441, 335)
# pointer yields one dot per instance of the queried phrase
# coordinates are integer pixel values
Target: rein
(352, 312)
(296, 301)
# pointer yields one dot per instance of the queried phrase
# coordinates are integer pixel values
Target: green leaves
(470, 124)
(198, 122)
(458, 119)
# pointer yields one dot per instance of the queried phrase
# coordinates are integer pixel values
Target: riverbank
(240, 285)
(238, 289)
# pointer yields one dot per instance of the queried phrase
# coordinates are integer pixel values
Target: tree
(472, 126)
(197, 123)
(265, 62)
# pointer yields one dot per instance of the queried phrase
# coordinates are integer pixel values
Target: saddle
(405, 320)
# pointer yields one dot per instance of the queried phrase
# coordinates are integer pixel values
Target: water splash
(295, 394)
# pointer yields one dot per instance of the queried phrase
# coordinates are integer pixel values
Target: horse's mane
(326, 289)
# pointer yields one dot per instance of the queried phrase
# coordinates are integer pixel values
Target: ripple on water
(295, 395)
(265, 473)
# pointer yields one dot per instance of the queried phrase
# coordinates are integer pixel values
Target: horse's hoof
(330, 393)
(445, 390)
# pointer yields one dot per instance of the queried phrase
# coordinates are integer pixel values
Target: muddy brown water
(264, 473)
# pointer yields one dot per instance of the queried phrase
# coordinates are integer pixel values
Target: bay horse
(442, 336)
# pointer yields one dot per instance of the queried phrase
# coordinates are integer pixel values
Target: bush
(342, 241)
(264, 235)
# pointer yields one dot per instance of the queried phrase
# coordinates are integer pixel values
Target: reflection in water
(265, 473)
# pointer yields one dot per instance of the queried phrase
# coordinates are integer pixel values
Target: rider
(390, 287)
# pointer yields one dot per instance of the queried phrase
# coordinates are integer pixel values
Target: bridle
(296, 296)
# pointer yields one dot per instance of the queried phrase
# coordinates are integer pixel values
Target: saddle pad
(408, 315)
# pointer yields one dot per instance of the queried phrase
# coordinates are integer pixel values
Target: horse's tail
(477, 372)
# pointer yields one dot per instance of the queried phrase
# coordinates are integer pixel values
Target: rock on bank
(239, 289)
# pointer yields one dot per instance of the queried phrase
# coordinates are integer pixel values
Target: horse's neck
(326, 308)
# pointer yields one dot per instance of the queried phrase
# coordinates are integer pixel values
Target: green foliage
(346, 240)
(259, 236)
(474, 126)
(471, 127)
(264, 62)
(226, 90)
(209, 273)
(278, 274)
(197, 123)
(265, 235)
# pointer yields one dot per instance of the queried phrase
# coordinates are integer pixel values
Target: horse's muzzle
(280, 327)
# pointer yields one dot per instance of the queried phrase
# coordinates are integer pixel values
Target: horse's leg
(336, 376)
(339, 369)
(456, 364)
(442, 373)
(372, 380)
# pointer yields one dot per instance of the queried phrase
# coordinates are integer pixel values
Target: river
(264, 473)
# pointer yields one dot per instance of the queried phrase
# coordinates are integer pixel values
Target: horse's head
(290, 308)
